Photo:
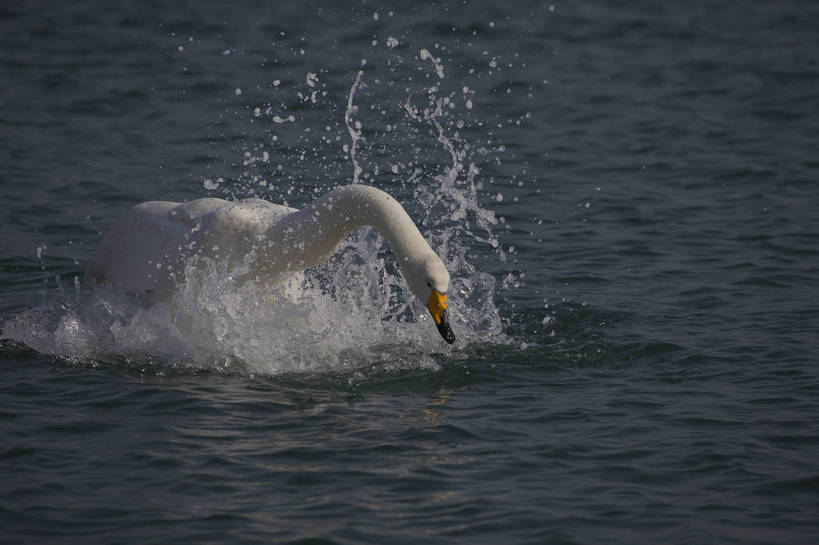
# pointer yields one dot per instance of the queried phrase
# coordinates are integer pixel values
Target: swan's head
(429, 280)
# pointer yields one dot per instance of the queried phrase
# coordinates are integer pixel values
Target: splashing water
(350, 312)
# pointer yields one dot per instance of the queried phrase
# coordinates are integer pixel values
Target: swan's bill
(436, 304)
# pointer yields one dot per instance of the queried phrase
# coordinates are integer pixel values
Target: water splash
(355, 131)
(342, 315)
(350, 312)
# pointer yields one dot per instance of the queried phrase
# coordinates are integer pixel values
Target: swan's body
(147, 251)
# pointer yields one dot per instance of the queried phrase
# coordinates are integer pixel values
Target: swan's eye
(428, 284)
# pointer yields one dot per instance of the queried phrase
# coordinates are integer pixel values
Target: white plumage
(148, 250)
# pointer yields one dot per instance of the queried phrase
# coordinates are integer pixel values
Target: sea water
(625, 198)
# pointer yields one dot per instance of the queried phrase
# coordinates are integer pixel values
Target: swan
(145, 254)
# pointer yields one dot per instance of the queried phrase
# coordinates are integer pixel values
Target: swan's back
(147, 249)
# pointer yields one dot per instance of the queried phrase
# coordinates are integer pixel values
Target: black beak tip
(444, 329)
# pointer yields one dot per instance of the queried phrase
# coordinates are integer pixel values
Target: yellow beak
(436, 304)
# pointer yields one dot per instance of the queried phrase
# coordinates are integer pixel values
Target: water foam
(348, 313)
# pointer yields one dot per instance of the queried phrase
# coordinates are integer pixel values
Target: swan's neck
(310, 236)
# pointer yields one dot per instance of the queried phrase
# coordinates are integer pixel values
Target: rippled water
(625, 196)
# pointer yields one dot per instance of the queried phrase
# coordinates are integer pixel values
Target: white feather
(148, 250)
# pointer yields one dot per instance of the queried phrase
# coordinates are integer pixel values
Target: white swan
(147, 251)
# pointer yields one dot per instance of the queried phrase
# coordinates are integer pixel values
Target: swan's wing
(147, 249)
(137, 252)
(272, 210)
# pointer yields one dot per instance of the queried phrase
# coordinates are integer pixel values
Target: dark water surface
(635, 287)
